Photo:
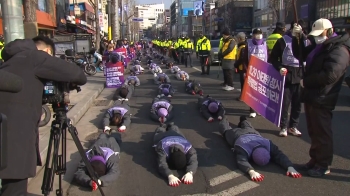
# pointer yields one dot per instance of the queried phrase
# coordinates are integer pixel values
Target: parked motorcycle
(83, 61)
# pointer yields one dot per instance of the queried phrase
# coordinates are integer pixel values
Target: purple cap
(162, 112)
(213, 107)
(98, 158)
(165, 91)
(261, 156)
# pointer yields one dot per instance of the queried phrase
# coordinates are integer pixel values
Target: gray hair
(241, 36)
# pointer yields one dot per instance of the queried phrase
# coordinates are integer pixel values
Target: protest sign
(263, 89)
(114, 75)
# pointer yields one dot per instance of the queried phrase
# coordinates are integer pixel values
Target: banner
(263, 89)
(114, 75)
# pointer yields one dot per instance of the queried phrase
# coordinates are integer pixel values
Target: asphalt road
(217, 173)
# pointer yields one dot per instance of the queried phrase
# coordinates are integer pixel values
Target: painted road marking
(236, 190)
(224, 178)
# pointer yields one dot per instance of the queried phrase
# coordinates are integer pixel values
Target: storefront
(337, 11)
(46, 23)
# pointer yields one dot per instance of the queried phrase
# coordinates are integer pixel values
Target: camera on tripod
(58, 92)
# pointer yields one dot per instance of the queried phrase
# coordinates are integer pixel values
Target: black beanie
(99, 167)
(241, 119)
(177, 158)
(226, 31)
(123, 92)
(114, 58)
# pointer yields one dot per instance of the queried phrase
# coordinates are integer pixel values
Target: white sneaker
(229, 88)
(283, 133)
(224, 87)
(252, 115)
(294, 131)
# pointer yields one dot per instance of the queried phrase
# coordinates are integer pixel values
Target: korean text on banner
(263, 89)
(114, 75)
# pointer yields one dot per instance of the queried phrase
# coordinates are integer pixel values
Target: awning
(91, 31)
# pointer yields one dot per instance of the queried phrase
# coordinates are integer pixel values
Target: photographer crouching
(34, 61)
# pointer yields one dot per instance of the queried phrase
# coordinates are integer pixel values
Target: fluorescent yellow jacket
(271, 41)
(232, 54)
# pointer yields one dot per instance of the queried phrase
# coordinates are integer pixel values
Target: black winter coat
(23, 109)
(324, 75)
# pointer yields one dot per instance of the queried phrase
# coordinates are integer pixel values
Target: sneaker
(224, 87)
(252, 115)
(229, 88)
(318, 171)
(294, 131)
(283, 132)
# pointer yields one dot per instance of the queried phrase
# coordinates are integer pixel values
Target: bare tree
(30, 21)
(94, 4)
(274, 5)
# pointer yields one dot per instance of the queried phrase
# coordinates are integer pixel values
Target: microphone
(10, 82)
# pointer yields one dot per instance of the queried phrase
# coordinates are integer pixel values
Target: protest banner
(263, 89)
(114, 75)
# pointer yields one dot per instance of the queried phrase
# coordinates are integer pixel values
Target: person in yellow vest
(1, 47)
(182, 49)
(277, 34)
(220, 43)
(240, 63)
(228, 58)
(176, 50)
(203, 48)
(188, 50)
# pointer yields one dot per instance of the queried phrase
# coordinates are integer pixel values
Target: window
(42, 6)
(264, 20)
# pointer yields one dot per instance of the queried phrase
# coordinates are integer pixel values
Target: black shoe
(318, 171)
(202, 73)
(207, 73)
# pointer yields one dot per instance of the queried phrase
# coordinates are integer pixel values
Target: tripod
(56, 164)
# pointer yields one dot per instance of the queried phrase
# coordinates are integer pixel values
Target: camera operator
(34, 61)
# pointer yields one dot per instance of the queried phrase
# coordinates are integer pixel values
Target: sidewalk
(81, 102)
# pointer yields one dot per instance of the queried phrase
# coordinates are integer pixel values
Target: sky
(166, 2)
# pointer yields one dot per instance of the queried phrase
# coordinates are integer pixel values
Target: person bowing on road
(104, 158)
(247, 143)
(166, 90)
(162, 78)
(182, 75)
(210, 107)
(174, 152)
(118, 115)
(161, 109)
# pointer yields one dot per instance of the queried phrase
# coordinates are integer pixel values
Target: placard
(114, 75)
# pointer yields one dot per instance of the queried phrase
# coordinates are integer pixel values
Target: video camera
(57, 92)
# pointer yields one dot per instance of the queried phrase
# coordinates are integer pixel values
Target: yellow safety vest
(204, 45)
(271, 40)
(242, 47)
(188, 44)
(220, 43)
(232, 54)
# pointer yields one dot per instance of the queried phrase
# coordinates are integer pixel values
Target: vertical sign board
(263, 89)
(114, 75)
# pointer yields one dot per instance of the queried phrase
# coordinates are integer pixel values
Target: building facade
(149, 14)
(82, 18)
(338, 11)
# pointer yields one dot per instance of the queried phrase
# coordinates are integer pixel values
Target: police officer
(188, 50)
(203, 48)
(282, 59)
(277, 34)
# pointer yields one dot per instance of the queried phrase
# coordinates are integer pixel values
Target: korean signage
(114, 75)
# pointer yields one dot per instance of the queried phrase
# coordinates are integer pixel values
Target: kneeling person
(118, 115)
(174, 152)
(193, 87)
(182, 75)
(175, 69)
(161, 78)
(166, 90)
(249, 144)
(210, 107)
(103, 157)
(161, 110)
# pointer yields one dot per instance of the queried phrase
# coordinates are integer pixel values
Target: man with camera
(34, 61)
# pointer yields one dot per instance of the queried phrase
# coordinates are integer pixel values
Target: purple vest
(121, 109)
(249, 142)
(107, 152)
(189, 85)
(152, 65)
(287, 57)
(207, 102)
(132, 78)
(171, 140)
(176, 69)
(163, 104)
(167, 86)
(259, 51)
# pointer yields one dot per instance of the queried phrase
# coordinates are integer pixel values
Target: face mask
(259, 36)
(320, 39)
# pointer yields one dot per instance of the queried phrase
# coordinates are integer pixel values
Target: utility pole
(30, 20)
(282, 9)
(122, 22)
(12, 20)
(115, 20)
(109, 20)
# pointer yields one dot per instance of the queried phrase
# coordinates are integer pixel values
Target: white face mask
(258, 36)
(320, 39)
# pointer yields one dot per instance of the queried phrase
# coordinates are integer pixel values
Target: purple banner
(114, 75)
(263, 89)
(304, 11)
